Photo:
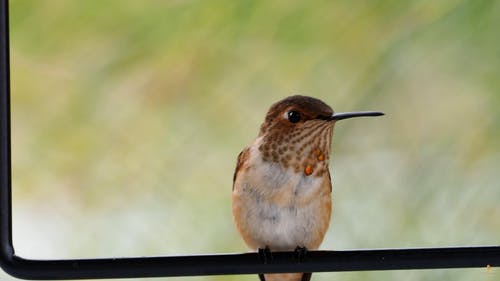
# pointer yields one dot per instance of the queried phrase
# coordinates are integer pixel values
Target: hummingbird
(281, 196)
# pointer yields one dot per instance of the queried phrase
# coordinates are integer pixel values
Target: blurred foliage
(127, 117)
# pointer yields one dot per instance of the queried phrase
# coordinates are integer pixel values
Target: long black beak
(347, 115)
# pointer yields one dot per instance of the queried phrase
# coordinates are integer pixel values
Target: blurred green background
(127, 117)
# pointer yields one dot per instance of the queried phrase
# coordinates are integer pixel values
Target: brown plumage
(282, 185)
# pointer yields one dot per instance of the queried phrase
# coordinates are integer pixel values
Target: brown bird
(281, 187)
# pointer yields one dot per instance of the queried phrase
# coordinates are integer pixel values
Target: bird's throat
(305, 150)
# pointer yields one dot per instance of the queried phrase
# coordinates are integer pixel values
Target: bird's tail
(288, 277)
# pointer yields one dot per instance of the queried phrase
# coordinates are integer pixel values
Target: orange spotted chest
(305, 150)
(308, 170)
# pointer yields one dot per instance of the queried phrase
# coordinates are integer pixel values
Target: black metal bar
(5, 160)
(248, 263)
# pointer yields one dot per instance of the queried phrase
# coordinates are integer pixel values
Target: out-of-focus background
(127, 117)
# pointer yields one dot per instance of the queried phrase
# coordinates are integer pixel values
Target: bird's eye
(294, 116)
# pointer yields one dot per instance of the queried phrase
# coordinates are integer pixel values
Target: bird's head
(297, 131)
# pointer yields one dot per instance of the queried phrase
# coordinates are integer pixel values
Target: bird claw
(265, 255)
(300, 254)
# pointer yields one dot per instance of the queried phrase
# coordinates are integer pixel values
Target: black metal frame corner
(247, 263)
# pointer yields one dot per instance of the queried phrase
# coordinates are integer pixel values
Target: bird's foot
(300, 254)
(265, 255)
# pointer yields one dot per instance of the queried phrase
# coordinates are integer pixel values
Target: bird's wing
(330, 179)
(242, 158)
